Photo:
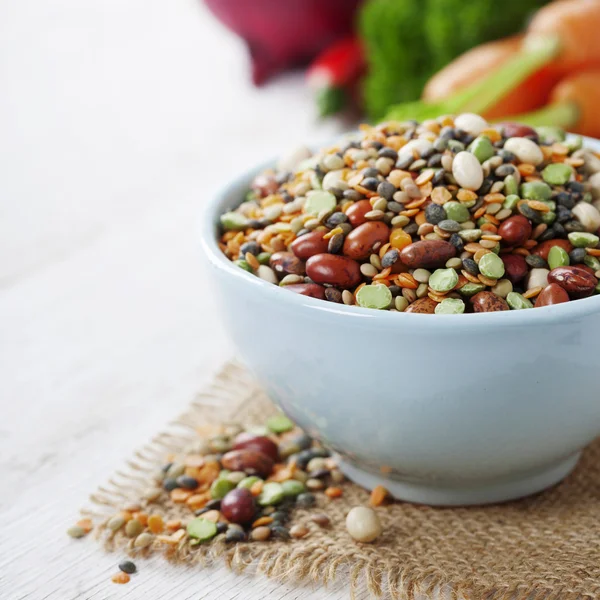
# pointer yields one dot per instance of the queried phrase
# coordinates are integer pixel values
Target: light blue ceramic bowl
(440, 409)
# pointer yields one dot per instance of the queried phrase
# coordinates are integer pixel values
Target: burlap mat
(544, 547)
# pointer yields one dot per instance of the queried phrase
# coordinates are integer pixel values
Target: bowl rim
(222, 200)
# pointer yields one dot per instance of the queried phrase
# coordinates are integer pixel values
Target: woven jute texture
(546, 547)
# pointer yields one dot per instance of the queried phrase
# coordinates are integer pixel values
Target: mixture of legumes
(448, 216)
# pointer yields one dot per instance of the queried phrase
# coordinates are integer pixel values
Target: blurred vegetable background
(534, 60)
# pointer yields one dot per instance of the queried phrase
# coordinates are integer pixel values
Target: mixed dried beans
(448, 216)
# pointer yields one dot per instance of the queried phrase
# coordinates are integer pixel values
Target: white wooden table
(118, 119)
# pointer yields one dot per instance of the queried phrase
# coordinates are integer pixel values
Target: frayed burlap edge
(234, 395)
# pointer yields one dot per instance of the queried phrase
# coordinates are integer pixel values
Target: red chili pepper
(334, 71)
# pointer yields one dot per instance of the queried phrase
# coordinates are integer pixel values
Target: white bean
(525, 150)
(267, 274)
(471, 123)
(363, 524)
(420, 145)
(467, 171)
(292, 159)
(537, 278)
(334, 180)
(588, 216)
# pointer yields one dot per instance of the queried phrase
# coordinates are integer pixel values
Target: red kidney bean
(260, 443)
(238, 506)
(488, 302)
(359, 242)
(515, 231)
(286, 263)
(428, 254)
(515, 267)
(357, 211)
(336, 270)
(551, 294)
(511, 129)
(424, 306)
(314, 290)
(577, 282)
(543, 248)
(309, 244)
(250, 461)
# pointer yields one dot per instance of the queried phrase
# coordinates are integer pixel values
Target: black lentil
(352, 195)
(369, 173)
(252, 247)
(388, 153)
(577, 255)
(457, 242)
(470, 266)
(395, 207)
(434, 214)
(386, 190)
(449, 225)
(186, 482)
(281, 533)
(337, 218)
(370, 183)
(574, 225)
(389, 258)
(536, 262)
(221, 527)
(170, 484)
(404, 162)
(306, 500)
(235, 534)
(127, 567)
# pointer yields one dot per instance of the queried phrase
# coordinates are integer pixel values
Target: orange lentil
(440, 195)
(496, 197)
(492, 134)
(378, 495)
(487, 280)
(127, 515)
(384, 274)
(493, 238)
(409, 213)
(559, 149)
(121, 577)
(436, 296)
(256, 488)
(466, 195)
(426, 189)
(156, 524)
(532, 292)
(593, 251)
(85, 524)
(399, 239)
(472, 247)
(526, 169)
(262, 521)
(333, 232)
(420, 218)
(521, 251)
(479, 212)
(489, 227)
(403, 281)
(142, 517)
(480, 253)
(179, 496)
(540, 206)
(384, 249)
(470, 277)
(416, 203)
(530, 244)
(334, 492)
(173, 524)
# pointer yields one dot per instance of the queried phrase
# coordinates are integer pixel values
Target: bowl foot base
(440, 494)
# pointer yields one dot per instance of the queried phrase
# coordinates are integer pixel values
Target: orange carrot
(576, 23)
(564, 35)
(574, 105)
(477, 62)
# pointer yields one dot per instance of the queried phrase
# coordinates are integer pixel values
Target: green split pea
(450, 306)
(557, 173)
(581, 239)
(517, 301)
(374, 296)
(558, 257)
(491, 266)
(443, 280)
(202, 529)
(318, 201)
